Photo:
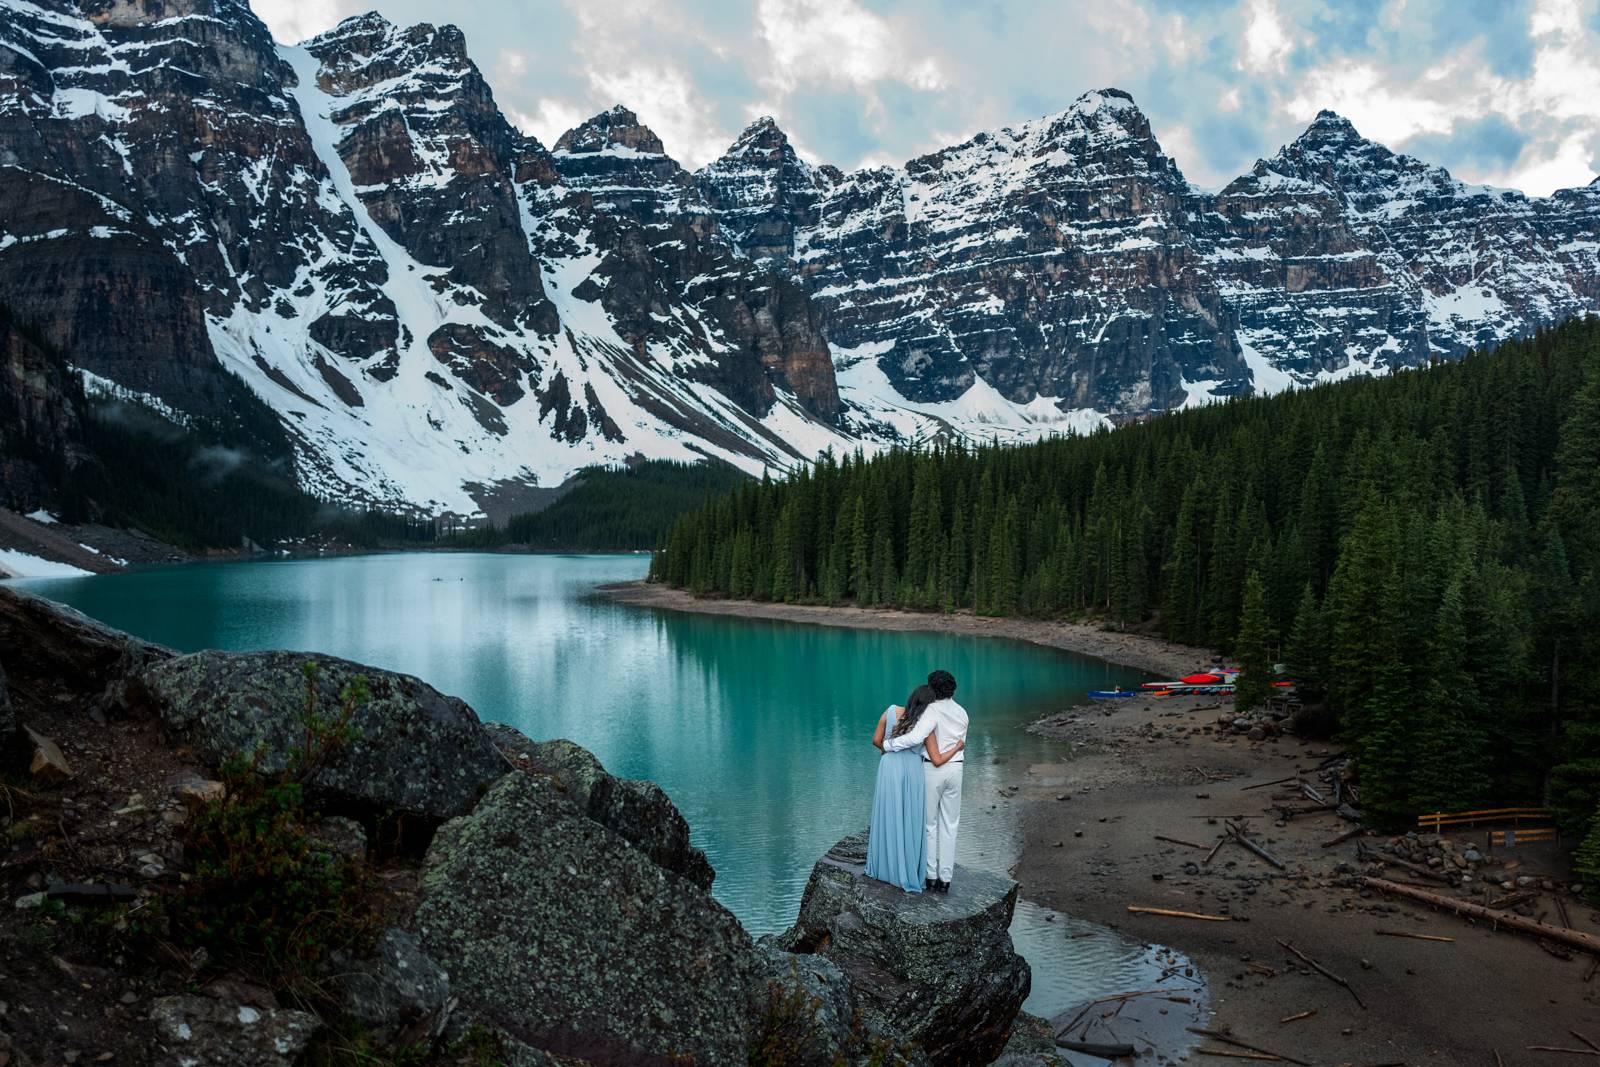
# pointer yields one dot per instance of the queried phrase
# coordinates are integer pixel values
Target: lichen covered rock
(937, 969)
(415, 751)
(193, 1030)
(398, 987)
(639, 810)
(559, 931)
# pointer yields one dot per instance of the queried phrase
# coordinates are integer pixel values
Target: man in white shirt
(947, 721)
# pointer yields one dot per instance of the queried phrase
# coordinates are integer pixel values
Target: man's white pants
(941, 816)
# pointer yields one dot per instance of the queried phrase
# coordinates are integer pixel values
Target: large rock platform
(938, 969)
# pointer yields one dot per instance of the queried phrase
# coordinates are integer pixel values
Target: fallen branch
(1207, 775)
(1177, 841)
(1511, 900)
(1238, 1055)
(1263, 785)
(1593, 967)
(1229, 1039)
(1342, 838)
(1585, 1040)
(1139, 909)
(1260, 850)
(1296, 1018)
(1414, 937)
(1329, 975)
(1223, 840)
(1575, 938)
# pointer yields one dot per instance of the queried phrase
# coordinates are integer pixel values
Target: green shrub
(1587, 860)
(263, 896)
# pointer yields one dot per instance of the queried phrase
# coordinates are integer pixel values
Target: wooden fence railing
(1541, 828)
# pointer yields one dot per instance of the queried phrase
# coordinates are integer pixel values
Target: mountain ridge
(440, 308)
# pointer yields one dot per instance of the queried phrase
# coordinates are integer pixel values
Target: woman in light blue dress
(896, 848)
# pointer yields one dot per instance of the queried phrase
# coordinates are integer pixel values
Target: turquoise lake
(760, 731)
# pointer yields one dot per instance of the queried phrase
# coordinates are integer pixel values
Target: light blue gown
(896, 847)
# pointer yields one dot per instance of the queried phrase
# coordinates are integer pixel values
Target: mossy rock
(414, 751)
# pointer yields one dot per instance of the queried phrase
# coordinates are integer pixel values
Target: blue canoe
(1107, 694)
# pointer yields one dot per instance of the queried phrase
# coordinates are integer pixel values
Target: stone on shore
(939, 970)
(54, 655)
(47, 764)
(399, 988)
(559, 930)
(639, 810)
(192, 1030)
(416, 751)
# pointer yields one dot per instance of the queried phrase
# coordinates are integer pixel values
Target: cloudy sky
(1498, 91)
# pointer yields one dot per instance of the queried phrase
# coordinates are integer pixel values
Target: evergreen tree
(1254, 647)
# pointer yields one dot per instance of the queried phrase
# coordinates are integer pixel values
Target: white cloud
(292, 21)
(1266, 44)
(839, 42)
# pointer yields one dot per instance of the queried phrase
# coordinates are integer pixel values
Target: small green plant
(261, 896)
(789, 1032)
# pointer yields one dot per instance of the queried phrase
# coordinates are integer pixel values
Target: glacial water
(760, 731)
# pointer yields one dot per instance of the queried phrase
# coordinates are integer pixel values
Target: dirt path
(1134, 769)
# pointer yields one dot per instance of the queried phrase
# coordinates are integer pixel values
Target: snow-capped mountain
(440, 310)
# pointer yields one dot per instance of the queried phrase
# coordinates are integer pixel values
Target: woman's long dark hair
(916, 704)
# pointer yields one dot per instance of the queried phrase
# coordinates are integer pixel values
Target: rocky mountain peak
(616, 128)
(362, 34)
(762, 135)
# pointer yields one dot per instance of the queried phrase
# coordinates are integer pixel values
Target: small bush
(262, 896)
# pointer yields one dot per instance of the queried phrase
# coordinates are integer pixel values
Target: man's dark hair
(943, 683)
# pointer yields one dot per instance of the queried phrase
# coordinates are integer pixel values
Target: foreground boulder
(54, 656)
(937, 969)
(560, 932)
(415, 751)
(638, 810)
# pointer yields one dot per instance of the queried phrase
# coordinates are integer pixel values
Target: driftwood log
(1510, 920)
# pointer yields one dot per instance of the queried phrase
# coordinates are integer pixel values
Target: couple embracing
(916, 806)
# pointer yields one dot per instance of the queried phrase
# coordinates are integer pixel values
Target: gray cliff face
(762, 191)
(668, 254)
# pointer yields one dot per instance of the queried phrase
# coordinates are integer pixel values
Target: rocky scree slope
(438, 306)
(524, 906)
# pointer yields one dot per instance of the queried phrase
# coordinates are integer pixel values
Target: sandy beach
(1139, 768)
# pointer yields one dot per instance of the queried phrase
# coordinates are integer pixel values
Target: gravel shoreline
(1128, 650)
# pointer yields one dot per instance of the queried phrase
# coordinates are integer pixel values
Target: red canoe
(1202, 679)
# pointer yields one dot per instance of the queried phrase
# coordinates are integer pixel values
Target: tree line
(1422, 550)
(612, 509)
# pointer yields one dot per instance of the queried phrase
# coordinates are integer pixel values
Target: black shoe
(930, 884)
(941, 887)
